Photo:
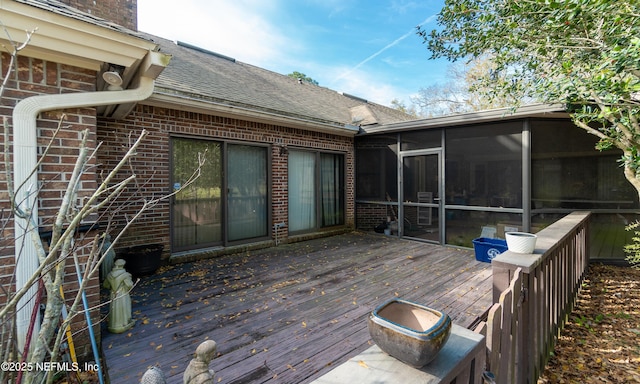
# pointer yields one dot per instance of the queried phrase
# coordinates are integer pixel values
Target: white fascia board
(67, 40)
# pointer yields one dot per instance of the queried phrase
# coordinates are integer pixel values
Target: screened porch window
(484, 165)
(316, 190)
(377, 168)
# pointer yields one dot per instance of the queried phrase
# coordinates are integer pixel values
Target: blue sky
(367, 48)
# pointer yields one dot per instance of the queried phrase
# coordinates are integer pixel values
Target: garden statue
(108, 256)
(153, 375)
(120, 283)
(198, 371)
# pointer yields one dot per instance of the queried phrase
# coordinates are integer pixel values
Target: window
(316, 190)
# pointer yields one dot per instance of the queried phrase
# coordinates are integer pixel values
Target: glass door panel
(421, 196)
(196, 211)
(247, 192)
(331, 181)
(302, 191)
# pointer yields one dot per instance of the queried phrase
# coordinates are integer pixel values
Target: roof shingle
(209, 76)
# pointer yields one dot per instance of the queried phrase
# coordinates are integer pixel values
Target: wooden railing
(533, 295)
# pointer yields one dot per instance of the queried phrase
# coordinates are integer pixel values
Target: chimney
(121, 12)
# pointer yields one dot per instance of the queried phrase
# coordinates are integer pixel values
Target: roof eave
(85, 43)
(70, 41)
(192, 104)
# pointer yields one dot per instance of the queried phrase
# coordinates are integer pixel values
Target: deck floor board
(291, 313)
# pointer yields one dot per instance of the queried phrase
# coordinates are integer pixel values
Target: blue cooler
(486, 248)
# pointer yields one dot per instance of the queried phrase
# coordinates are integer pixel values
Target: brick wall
(370, 216)
(152, 165)
(121, 12)
(35, 77)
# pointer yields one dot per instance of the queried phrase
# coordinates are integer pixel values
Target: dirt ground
(601, 341)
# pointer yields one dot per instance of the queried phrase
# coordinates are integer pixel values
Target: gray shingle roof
(74, 13)
(206, 76)
(212, 77)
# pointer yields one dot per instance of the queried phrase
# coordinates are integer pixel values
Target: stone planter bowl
(521, 242)
(412, 333)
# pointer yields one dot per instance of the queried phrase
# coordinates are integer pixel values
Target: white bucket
(521, 242)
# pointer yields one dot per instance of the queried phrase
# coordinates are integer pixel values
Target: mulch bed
(601, 340)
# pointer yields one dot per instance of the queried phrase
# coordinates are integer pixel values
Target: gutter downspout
(25, 158)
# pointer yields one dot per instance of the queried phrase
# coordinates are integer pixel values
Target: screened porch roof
(486, 116)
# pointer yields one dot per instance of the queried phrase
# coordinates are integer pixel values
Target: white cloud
(395, 42)
(240, 29)
(258, 32)
(366, 85)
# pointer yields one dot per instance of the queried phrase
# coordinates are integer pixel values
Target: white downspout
(25, 157)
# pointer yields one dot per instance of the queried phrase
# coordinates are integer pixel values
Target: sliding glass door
(229, 200)
(331, 180)
(247, 192)
(196, 211)
(302, 191)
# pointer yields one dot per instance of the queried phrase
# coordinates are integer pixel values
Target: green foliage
(588, 323)
(633, 250)
(581, 53)
(303, 77)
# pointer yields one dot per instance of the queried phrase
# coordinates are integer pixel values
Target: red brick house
(279, 161)
(279, 152)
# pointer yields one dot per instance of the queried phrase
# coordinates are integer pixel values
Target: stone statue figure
(120, 283)
(108, 257)
(198, 371)
(153, 375)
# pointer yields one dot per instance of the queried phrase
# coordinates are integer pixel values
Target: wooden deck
(608, 237)
(291, 313)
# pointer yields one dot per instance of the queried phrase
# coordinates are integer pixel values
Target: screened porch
(450, 181)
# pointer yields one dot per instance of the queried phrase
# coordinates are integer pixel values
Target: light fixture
(114, 80)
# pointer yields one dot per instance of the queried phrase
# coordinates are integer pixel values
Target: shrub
(633, 250)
